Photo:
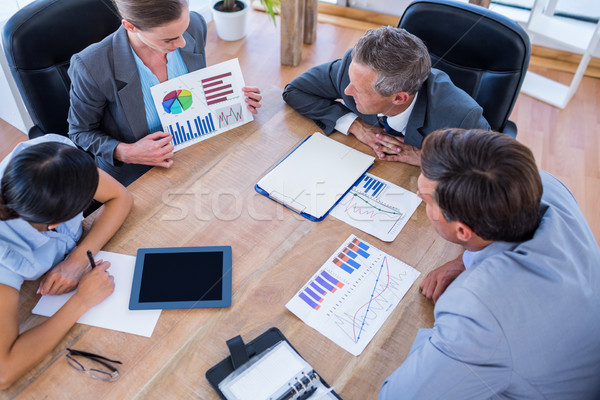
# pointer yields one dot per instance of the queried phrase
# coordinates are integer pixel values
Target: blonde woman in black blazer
(107, 116)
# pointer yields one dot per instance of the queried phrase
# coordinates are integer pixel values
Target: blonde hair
(148, 14)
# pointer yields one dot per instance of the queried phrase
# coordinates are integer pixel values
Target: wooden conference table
(208, 198)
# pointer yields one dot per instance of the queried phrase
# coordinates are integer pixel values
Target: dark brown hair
(148, 14)
(399, 58)
(486, 180)
(47, 183)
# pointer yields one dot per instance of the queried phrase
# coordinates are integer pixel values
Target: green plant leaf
(271, 7)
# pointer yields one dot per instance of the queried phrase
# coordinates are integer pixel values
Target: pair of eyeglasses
(106, 372)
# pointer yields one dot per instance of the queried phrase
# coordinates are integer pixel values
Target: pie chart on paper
(177, 101)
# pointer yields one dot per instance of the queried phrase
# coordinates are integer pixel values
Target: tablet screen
(182, 277)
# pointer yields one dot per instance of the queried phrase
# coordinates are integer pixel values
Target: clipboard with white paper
(315, 176)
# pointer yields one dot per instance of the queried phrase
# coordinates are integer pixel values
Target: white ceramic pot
(230, 26)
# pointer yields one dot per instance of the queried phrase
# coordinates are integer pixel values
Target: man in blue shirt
(518, 314)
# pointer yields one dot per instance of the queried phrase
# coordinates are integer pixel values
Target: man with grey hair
(391, 97)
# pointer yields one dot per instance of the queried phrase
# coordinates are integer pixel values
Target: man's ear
(463, 232)
(401, 98)
(52, 226)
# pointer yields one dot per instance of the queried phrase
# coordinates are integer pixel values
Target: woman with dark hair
(46, 184)
(112, 113)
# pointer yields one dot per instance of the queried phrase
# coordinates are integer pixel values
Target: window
(584, 10)
(9, 7)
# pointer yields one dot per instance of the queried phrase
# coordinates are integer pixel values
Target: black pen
(91, 258)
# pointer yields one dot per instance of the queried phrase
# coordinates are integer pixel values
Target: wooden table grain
(207, 198)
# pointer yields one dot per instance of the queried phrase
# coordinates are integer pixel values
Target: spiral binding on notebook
(304, 386)
(278, 373)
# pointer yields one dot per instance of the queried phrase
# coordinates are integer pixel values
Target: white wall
(202, 7)
(12, 109)
(393, 7)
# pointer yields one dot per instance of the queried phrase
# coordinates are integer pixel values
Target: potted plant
(230, 16)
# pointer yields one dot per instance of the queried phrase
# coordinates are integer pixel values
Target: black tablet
(181, 278)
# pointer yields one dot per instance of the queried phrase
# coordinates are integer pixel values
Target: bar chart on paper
(349, 298)
(377, 207)
(315, 291)
(218, 88)
(190, 129)
(201, 104)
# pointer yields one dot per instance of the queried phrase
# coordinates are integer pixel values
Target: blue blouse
(175, 67)
(25, 252)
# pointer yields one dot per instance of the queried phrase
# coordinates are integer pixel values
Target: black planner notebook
(267, 368)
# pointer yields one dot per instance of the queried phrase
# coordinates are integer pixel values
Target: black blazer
(107, 105)
(440, 104)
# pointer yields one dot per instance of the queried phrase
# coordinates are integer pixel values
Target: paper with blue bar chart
(349, 298)
(377, 207)
(202, 104)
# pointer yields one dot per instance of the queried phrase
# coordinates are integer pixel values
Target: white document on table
(202, 104)
(377, 207)
(113, 312)
(349, 298)
(313, 177)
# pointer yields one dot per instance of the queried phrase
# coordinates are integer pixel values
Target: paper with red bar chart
(349, 298)
(202, 104)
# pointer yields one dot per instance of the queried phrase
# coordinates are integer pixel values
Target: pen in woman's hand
(91, 258)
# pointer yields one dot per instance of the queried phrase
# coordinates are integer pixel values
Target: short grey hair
(399, 58)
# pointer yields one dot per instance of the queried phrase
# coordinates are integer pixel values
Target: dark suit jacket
(440, 104)
(107, 105)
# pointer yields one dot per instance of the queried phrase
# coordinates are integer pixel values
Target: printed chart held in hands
(202, 104)
(349, 298)
(377, 207)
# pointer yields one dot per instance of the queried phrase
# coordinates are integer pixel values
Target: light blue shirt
(522, 322)
(175, 67)
(468, 257)
(25, 252)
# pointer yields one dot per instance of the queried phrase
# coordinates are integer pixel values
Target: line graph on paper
(231, 115)
(374, 296)
(363, 208)
(349, 298)
(377, 207)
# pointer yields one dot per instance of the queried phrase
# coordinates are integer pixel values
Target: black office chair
(483, 52)
(39, 41)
